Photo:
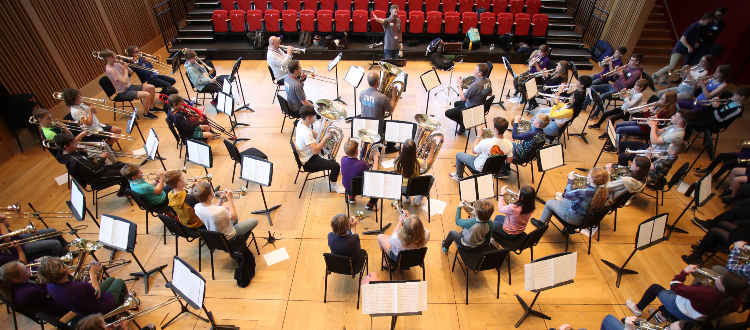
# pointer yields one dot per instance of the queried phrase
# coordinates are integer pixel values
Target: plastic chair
(284, 105)
(374, 25)
(301, 169)
(592, 220)
(228, 5)
(346, 266)
(465, 6)
(432, 5)
(325, 21)
(110, 90)
(295, 5)
(504, 23)
(449, 5)
(237, 21)
(272, 19)
(406, 260)
(382, 5)
(487, 23)
(485, 259)
(245, 5)
(307, 20)
(533, 6)
(541, 22)
(279, 87)
(420, 186)
(237, 156)
(416, 22)
(359, 21)
(343, 21)
(452, 21)
(311, 5)
(468, 20)
(150, 209)
(254, 20)
(179, 230)
(434, 22)
(499, 6)
(218, 241)
(516, 6)
(523, 22)
(404, 19)
(289, 20)
(676, 177)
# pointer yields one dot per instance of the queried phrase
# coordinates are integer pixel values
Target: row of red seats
(461, 6)
(436, 22)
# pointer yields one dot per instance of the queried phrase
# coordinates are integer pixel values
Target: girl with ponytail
(15, 286)
(574, 204)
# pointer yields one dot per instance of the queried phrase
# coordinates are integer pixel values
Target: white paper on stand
(388, 163)
(139, 152)
(61, 180)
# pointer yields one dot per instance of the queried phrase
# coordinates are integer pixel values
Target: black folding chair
(111, 92)
(236, 155)
(493, 164)
(198, 93)
(154, 211)
(520, 243)
(485, 259)
(517, 162)
(406, 260)
(218, 241)
(288, 113)
(179, 230)
(95, 190)
(420, 186)
(618, 204)
(346, 266)
(279, 85)
(357, 185)
(676, 177)
(176, 135)
(51, 320)
(301, 169)
(591, 221)
(16, 308)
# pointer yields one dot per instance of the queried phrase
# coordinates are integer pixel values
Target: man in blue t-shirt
(691, 39)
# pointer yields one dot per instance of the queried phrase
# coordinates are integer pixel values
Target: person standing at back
(376, 104)
(686, 45)
(392, 40)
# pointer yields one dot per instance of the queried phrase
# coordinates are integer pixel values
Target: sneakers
(595, 126)
(454, 176)
(337, 187)
(537, 223)
(658, 317)
(610, 150)
(702, 224)
(727, 192)
(559, 196)
(692, 260)
(702, 172)
(352, 199)
(156, 109)
(462, 131)
(418, 200)
(503, 175)
(603, 136)
(444, 250)
(515, 99)
(371, 207)
(628, 202)
(150, 116)
(633, 308)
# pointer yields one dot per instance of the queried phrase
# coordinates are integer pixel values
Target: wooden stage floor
(289, 295)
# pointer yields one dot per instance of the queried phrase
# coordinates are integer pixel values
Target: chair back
(357, 184)
(107, 87)
(139, 201)
(621, 200)
(51, 320)
(652, 99)
(491, 259)
(296, 156)
(419, 186)
(339, 264)
(533, 238)
(75, 130)
(488, 103)
(573, 69)
(16, 308)
(650, 80)
(214, 240)
(594, 217)
(234, 153)
(411, 258)
(173, 129)
(174, 226)
(735, 326)
(285, 107)
(494, 164)
(678, 175)
(273, 78)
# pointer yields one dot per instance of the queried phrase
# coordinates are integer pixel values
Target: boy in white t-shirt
(221, 218)
(485, 148)
(307, 148)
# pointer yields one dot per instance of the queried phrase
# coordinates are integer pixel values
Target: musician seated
(34, 297)
(528, 141)
(729, 160)
(352, 167)
(182, 202)
(660, 138)
(410, 166)
(573, 204)
(665, 108)
(710, 88)
(277, 59)
(343, 239)
(611, 322)
(153, 78)
(483, 148)
(558, 79)
(561, 113)
(630, 100)
(610, 64)
(222, 216)
(623, 79)
(188, 124)
(477, 93)
(660, 167)
(409, 234)
(516, 216)
(86, 112)
(82, 298)
(52, 247)
(695, 303)
(583, 83)
(308, 146)
(295, 91)
(375, 104)
(119, 74)
(737, 178)
(633, 182)
(720, 115)
(154, 193)
(88, 170)
(476, 231)
(96, 322)
(199, 77)
(689, 78)
(49, 130)
(519, 83)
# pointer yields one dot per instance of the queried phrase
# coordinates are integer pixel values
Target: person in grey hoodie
(476, 231)
(633, 182)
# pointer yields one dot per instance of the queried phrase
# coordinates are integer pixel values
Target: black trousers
(212, 88)
(741, 212)
(454, 113)
(700, 124)
(617, 112)
(162, 81)
(724, 233)
(111, 174)
(622, 158)
(319, 163)
(728, 160)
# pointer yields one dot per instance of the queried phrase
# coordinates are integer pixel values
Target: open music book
(152, 144)
(199, 153)
(473, 116)
(372, 124)
(430, 80)
(394, 298)
(476, 187)
(612, 134)
(114, 232)
(382, 184)
(704, 190)
(548, 273)
(225, 103)
(188, 282)
(256, 170)
(399, 131)
(651, 230)
(550, 157)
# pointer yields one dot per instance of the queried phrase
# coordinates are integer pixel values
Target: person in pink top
(119, 73)
(517, 215)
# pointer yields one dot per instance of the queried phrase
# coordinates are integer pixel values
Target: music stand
(375, 45)
(334, 64)
(199, 153)
(398, 131)
(119, 234)
(430, 81)
(508, 68)
(471, 118)
(177, 66)
(547, 158)
(370, 298)
(650, 232)
(77, 203)
(612, 136)
(708, 145)
(368, 123)
(236, 77)
(133, 121)
(225, 104)
(448, 87)
(188, 284)
(476, 187)
(597, 103)
(560, 262)
(152, 148)
(38, 215)
(702, 193)
(381, 185)
(260, 171)
(354, 77)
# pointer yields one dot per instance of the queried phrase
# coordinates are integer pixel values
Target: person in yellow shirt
(560, 113)
(181, 201)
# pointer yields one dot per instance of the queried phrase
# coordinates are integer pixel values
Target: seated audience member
(660, 138)
(187, 125)
(529, 141)
(477, 93)
(660, 167)
(718, 115)
(343, 239)
(574, 204)
(709, 89)
(517, 215)
(153, 78)
(154, 193)
(96, 322)
(222, 216)
(88, 170)
(182, 202)
(497, 145)
(410, 166)
(16, 287)
(476, 232)
(308, 147)
(634, 182)
(82, 298)
(409, 234)
(629, 101)
(352, 167)
(119, 73)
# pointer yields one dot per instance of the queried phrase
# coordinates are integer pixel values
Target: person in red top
(695, 302)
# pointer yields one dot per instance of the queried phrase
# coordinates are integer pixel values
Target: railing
(671, 22)
(595, 27)
(572, 7)
(164, 14)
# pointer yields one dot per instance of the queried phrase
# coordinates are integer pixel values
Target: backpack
(522, 48)
(505, 41)
(305, 39)
(601, 50)
(480, 11)
(436, 45)
(259, 38)
(472, 40)
(441, 62)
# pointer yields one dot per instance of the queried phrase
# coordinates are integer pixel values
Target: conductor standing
(392, 26)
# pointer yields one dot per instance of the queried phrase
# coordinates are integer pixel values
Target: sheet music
(131, 121)
(199, 153)
(430, 80)
(422, 296)
(468, 190)
(398, 132)
(645, 233)
(332, 64)
(392, 186)
(382, 185)
(77, 199)
(188, 283)
(114, 233)
(225, 103)
(551, 157)
(407, 297)
(226, 88)
(473, 116)
(564, 268)
(547, 273)
(705, 189)
(362, 123)
(485, 186)
(62, 179)
(354, 75)
(152, 144)
(612, 134)
(256, 171)
(659, 225)
(382, 298)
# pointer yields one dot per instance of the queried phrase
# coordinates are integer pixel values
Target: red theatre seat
(277, 4)
(487, 23)
(469, 20)
(434, 22)
(484, 4)
(540, 25)
(415, 5)
(219, 19)
(380, 5)
(228, 5)
(374, 25)
(272, 18)
(504, 23)
(359, 21)
(344, 5)
(254, 20)
(237, 20)
(328, 5)
(499, 6)
(432, 5)
(401, 5)
(245, 5)
(343, 18)
(325, 21)
(289, 20)
(449, 5)
(465, 6)
(362, 5)
(261, 5)
(452, 20)
(416, 22)
(533, 6)
(516, 6)
(307, 20)
(311, 4)
(295, 5)
(523, 22)
(404, 20)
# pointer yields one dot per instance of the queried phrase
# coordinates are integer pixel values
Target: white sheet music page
(705, 189)
(188, 283)
(407, 297)
(106, 226)
(544, 274)
(263, 173)
(645, 232)
(373, 184)
(225, 104)
(422, 295)
(386, 298)
(551, 157)
(405, 131)
(368, 124)
(354, 75)
(660, 224)
(468, 190)
(152, 144)
(120, 233)
(248, 169)
(468, 117)
(430, 80)
(485, 186)
(612, 134)
(392, 132)
(564, 268)
(77, 199)
(392, 186)
(199, 153)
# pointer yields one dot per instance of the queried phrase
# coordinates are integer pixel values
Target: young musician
(665, 109)
(559, 78)
(623, 79)
(49, 131)
(80, 297)
(343, 239)
(689, 78)
(85, 111)
(375, 104)
(576, 203)
(34, 297)
(660, 138)
(119, 74)
(54, 246)
(181, 202)
(410, 166)
(475, 95)
(154, 193)
(729, 160)
(87, 170)
(737, 177)
(497, 145)
(611, 322)
(629, 101)
(476, 231)
(409, 234)
(610, 64)
(633, 183)
(352, 167)
(719, 115)
(529, 141)
(738, 214)
(96, 322)
(561, 113)
(295, 92)
(308, 146)
(277, 59)
(519, 83)
(153, 78)
(392, 41)
(188, 124)
(713, 88)
(200, 78)
(222, 216)
(660, 167)
(730, 226)
(517, 215)
(687, 44)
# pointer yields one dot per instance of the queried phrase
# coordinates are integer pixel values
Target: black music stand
(152, 149)
(77, 203)
(201, 155)
(334, 64)
(225, 104)
(375, 45)
(528, 308)
(547, 158)
(394, 316)
(650, 233)
(469, 187)
(430, 80)
(38, 215)
(508, 69)
(397, 126)
(379, 180)
(236, 77)
(702, 194)
(133, 121)
(184, 278)
(354, 77)
(612, 136)
(260, 171)
(597, 103)
(448, 88)
(177, 66)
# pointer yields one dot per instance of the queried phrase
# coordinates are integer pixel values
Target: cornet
(706, 77)
(615, 71)
(397, 205)
(469, 208)
(605, 60)
(102, 103)
(236, 194)
(645, 152)
(152, 175)
(487, 133)
(553, 96)
(294, 50)
(682, 70)
(708, 102)
(206, 178)
(625, 93)
(125, 58)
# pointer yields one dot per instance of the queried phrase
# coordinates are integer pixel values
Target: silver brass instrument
(374, 147)
(425, 139)
(359, 215)
(622, 94)
(553, 96)
(560, 88)
(644, 121)
(524, 126)
(646, 152)
(743, 162)
(510, 196)
(641, 324)
(375, 45)
(30, 229)
(535, 57)
(85, 248)
(708, 102)
(615, 71)
(40, 237)
(313, 74)
(330, 112)
(704, 277)
(97, 148)
(14, 207)
(684, 69)
(744, 256)
(190, 183)
(294, 50)
(153, 175)
(605, 60)
(618, 171)
(61, 123)
(741, 145)
(540, 73)
(130, 303)
(397, 205)
(469, 208)
(236, 194)
(487, 133)
(121, 58)
(388, 77)
(117, 323)
(580, 181)
(645, 107)
(467, 81)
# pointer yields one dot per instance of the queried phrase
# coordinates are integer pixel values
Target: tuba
(330, 111)
(703, 276)
(510, 196)
(425, 138)
(388, 82)
(467, 81)
(130, 303)
(374, 147)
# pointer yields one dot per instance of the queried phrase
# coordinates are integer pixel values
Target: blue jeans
(162, 81)
(668, 298)
(551, 128)
(48, 247)
(464, 159)
(630, 127)
(562, 209)
(244, 227)
(605, 93)
(391, 54)
(611, 322)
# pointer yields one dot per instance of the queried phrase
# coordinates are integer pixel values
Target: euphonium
(130, 302)
(469, 208)
(487, 133)
(510, 196)
(388, 82)
(330, 111)
(580, 182)
(85, 247)
(467, 81)
(741, 145)
(425, 138)
(30, 229)
(374, 147)
(703, 276)
(641, 324)
(115, 324)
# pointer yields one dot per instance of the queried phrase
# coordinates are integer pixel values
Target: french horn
(704, 277)
(467, 81)
(510, 196)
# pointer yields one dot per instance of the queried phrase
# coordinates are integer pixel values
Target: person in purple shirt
(343, 239)
(623, 79)
(519, 83)
(614, 61)
(351, 167)
(15, 285)
(96, 322)
(81, 298)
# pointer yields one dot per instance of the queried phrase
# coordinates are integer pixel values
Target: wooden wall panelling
(130, 22)
(626, 21)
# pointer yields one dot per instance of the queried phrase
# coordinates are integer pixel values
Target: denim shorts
(131, 93)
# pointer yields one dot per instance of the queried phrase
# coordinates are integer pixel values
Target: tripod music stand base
(619, 271)
(182, 311)
(377, 231)
(338, 99)
(270, 240)
(529, 311)
(676, 230)
(245, 107)
(270, 209)
(147, 274)
(235, 140)
(581, 135)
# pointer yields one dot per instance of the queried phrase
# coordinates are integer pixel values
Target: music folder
(131, 121)
(225, 102)
(117, 232)
(612, 134)
(368, 123)
(473, 116)
(188, 283)
(476, 187)
(354, 75)
(199, 153)
(430, 80)
(399, 131)
(256, 170)
(549, 157)
(332, 64)
(176, 61)
(77, 202)
(152, 144)
(382, 184)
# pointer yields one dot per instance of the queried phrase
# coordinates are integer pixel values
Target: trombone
(645, 152)
(614, 72)
(553, 96)
(312, 74)
(30, 229)
(42, 236)
(153, 59)
(708, 102)
(60, 123)
(125, 58)
(117, 323)
(98, 148)
(102, 103)
(35, 215)
(14, 207)
(643, 121)
(152, 175)
(239, 193)
(294, 50)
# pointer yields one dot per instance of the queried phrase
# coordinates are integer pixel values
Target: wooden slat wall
(28, 66)
(623, 20)
(130, 21)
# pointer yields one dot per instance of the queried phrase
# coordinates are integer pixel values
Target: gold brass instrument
(524, 126)
(553, 96)
(130, 303)
(117, 323)
(96, 148)
(535, 57)
(425, 138)
(623, 94)
(359, 215)
(646, 152)
(743, 144)
(708, 102)
(41, 236)
(743, 162)
(59, 96)
(397, 205)
(467, 81)
(294, 50)
(469, 208)
(704, 277)
(236, 194)
(85, 248)
(706, 77)
(206, 68)
(605, 60)
(388, 82)
(34, 215)
(645, 106)
(684, 69)
(510, 196)
(30, 229)
(641, 324)
(61, 123)
(580, 181)
(374, 147)
(644, 121)
(615, 71)
(313, 74)
(15, 207)
(487, 133)
(125, 58)
(67, 259)
(744, 256)
(618, 171)
(330, 112)
(105, 265)
(153, 175)
(190, 183)
(540, 73)
(153, 59)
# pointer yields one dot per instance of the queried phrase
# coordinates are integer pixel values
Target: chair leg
(359, 289)
(164, 233)
(325, 290)
(424, 277)
(212, 265)
(297, 176)
(567, 238)
(282, 123)
(532, 253)
(234, 169)
(303, 185)
(615, 225)
(146, 222)
(429, 209)
(510, 275)
(256, 242)
(467, 284)
(590, 236)
(498, 282)
(176, 248)
(454, 262)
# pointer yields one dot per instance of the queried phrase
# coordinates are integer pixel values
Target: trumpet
(624, 93)
(553, 96)
(741, 145)
(239, 193)
(152, 175)
(614, 72)
(605, 60)
(206, 178)
(646, 152)
(708, 102)
(643, 121)
(117, 323)
(706, 77)
(487, 133)
(102, 103)
(14, 207)
(294, 50)
(312, 74)
(510, 196)
(536, 57)
(41, 236)
(645, 106)
(560, 88)
(125, 58)
(684, 69)
(397, 205)
(541, 73)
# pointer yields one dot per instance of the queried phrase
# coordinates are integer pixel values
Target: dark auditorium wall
(736, 52)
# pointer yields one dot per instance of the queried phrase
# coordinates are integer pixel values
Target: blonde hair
(543, 119)
(412, 234)
(8, 272)
(600, 177)
(350, 148)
